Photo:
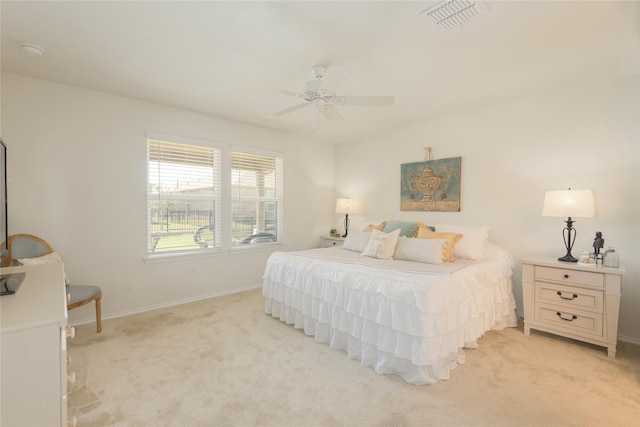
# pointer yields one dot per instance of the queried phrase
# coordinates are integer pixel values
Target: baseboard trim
(629, 340)
(171, 304)
(622, 338)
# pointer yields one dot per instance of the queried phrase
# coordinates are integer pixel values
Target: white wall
(583, 138)
(77, 178)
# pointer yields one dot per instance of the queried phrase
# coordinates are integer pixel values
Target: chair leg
(99, 314)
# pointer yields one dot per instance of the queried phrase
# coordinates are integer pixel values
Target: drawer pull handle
(566, 276)
(574, 296)
(573, 317)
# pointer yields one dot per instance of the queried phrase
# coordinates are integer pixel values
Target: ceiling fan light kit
(450, 14)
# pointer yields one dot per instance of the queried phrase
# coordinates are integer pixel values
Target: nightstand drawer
(578, 321)
(329, 241)
(584, 278)
(569, 296)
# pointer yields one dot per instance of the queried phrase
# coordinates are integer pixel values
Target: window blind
(256, 197)
(183, 196)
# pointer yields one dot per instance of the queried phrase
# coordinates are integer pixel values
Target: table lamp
(569, 203)
(347, 206)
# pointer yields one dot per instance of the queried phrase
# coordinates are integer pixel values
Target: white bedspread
(402, 317)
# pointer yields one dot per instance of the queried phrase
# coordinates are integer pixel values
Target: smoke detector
(450, 14)
(32, 49)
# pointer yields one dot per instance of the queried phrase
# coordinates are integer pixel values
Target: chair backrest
(26, 246)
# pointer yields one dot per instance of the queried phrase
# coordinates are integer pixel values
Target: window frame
(216, 197)
(278, 198)
(223, 200)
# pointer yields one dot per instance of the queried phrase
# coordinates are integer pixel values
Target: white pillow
(356, 240)
(382, 245)
(52, 258)
(429, 251)
(471, 245)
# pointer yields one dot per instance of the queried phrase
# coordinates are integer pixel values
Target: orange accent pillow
(379, 227)
(451, 238)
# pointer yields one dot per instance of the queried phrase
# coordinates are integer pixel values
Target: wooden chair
(27, 246)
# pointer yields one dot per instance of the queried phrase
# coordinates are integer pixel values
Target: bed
(396, 314)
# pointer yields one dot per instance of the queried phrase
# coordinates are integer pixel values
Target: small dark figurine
(598, 243)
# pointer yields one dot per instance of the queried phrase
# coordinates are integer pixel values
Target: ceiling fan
(320, 94)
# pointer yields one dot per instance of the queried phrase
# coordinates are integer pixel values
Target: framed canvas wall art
(433, 185)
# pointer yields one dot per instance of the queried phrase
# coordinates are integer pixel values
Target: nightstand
(573, 301)
(328, 241)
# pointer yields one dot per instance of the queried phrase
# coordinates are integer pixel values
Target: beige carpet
(223, 362)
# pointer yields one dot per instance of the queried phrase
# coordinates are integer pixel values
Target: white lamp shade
(569, 203)
(347, 206)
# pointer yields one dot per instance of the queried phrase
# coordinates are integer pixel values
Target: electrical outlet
(193, 269)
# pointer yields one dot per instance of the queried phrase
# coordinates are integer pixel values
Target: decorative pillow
(372, 227)
(451, 238)
(471, 246)
(421, 224)
(356, 240)
(52, 258)
(430, 251)
(407, 228)
(382, 245)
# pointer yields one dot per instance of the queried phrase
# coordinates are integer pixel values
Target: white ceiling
(199, 55)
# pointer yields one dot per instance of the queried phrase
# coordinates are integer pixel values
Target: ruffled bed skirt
(420, 342)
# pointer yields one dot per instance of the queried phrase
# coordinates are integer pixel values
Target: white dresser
(34, 349)
(571, 300)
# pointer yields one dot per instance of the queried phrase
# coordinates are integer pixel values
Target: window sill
(153, 259)
(255, 248)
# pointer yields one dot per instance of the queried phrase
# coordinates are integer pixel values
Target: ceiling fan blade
(364, 100)
(287, 110)
(331, 113)
(274, 89)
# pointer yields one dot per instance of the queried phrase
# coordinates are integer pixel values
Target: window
(256, 197)
(194, 186)
(183, 195)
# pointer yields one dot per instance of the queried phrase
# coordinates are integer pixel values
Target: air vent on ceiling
(449, 14)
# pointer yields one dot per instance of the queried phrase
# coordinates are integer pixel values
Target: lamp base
(569, 237)
(346, 225)
(568, 258)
